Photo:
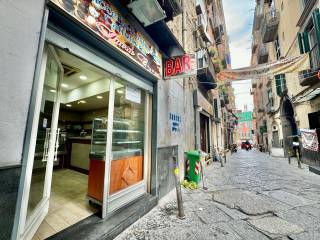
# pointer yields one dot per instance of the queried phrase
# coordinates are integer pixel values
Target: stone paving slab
(246, 231)
(304, 220)
(275, 226)
(253, 197)
(288, 198)
(313, 210)
(313, 235)
(247, 202)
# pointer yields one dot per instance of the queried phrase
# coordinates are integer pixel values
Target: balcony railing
(258, 16)
(172, 8)
(270, 108)
(308, 6)
(263, 54)
(200, 7)
(205, 72)
(310, 77)
(202, 27)
(270, 26)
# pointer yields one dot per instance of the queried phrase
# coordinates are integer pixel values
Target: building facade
(90, 123)
(286, 103)
(245, 126)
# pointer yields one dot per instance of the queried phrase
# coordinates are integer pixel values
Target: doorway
(204, 133)
(289, 126)
(74, 100)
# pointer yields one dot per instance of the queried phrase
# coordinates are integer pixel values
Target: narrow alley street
(254, 196)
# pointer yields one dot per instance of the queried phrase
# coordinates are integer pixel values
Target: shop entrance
(89, 145)
(204, 133)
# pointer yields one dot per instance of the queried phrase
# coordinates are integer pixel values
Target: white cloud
(239, 16)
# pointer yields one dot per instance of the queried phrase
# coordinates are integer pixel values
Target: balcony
(202, 27)
(270, 26)
(254, 45)
(218, 32)
(270, 108)
(310, 77)
(222, 103)
(200, 7)
(263, 55)
(254, 115)
(254, 84)
(308, 6)
(205, 72)
(258, 16)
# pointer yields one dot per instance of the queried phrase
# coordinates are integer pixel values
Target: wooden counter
(124, 173)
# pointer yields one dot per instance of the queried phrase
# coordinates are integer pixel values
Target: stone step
(315, 169)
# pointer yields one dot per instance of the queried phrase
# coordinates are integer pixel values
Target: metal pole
(221, 160)
(298, 158)
(176, 172)
(289, 158)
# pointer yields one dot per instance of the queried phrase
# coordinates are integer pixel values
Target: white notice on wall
(133, 94)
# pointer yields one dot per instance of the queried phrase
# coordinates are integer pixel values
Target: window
(277, 47)
(201, 60)
(281, 85)
(306, 2)
(270, 98)
(216, 110)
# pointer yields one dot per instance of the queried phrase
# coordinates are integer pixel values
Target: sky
(239, 18)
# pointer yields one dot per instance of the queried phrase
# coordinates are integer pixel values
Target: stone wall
(176, 96)
(20, 24)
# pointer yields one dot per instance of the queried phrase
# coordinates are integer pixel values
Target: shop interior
(81, 142)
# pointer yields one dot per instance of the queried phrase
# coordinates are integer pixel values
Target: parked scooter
(234, 148)
(261, 148)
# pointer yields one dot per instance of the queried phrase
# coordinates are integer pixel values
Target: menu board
(101, 17)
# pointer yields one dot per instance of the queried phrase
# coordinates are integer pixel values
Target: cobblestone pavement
(254, 197)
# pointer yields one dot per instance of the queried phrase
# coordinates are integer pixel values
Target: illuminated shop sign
(180, 66)
(104, 19)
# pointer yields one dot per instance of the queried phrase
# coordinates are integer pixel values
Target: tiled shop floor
(68, 203)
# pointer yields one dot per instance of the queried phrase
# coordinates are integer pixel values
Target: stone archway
(289, 125)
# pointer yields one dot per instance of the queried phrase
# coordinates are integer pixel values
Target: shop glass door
(36, 201)
(128, 137)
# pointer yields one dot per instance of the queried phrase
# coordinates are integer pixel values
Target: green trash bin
(193, 166)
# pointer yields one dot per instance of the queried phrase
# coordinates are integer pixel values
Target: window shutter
(316, 23)
(300, 43)
(306, 43)
(278, 84)
(215, 103)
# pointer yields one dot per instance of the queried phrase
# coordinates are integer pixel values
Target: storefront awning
(164, 38)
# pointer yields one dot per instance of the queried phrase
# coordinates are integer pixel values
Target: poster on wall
(133, 94)
(101, 17)
(309, 140)
(180, 66)
(175, 122)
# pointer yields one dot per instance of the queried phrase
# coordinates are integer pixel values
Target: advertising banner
(101, 17)
(288, 65)
(309, 139)
(180, 66)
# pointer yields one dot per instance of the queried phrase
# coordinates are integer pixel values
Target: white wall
(173, 99)
(20, 23)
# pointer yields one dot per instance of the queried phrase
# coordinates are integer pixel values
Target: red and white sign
(180, 66)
